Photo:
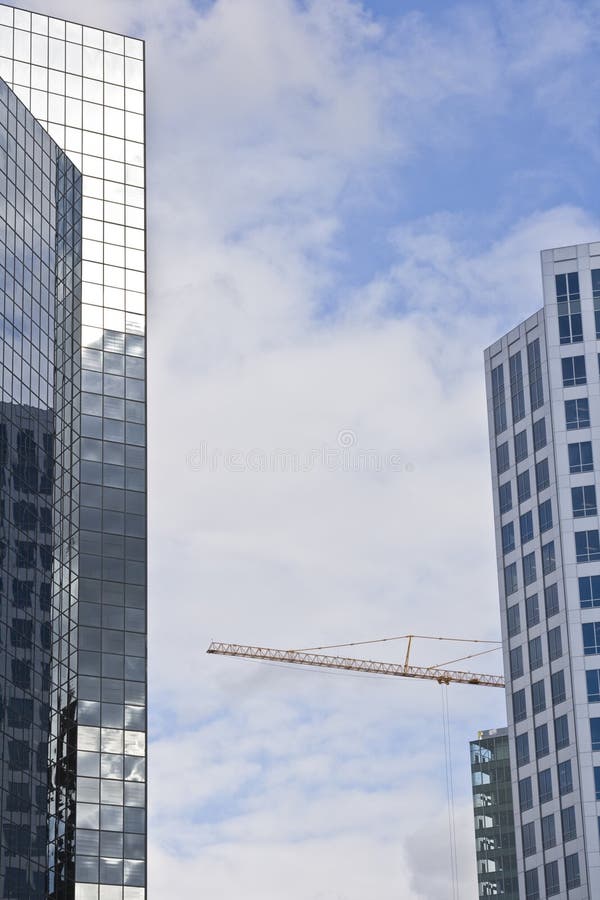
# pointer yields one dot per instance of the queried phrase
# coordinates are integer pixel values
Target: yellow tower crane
(307, 657)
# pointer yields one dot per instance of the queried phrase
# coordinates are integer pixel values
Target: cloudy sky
(347, 201)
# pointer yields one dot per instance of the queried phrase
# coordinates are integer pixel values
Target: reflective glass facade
(72, 462)
(493, 815)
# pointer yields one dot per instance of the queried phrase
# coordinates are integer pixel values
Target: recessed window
(570, 327)
(561, 732)
(589, 591)
(595, 733)
(577, 413)
(535, 653)
(580, 457)
(510, 579)
(551, 600)
(498, 399)
(513, 619)
(529, 570)
(542, 743)
(554, 643)
(534, 365)
(545, 785)
(519, 706)
(584, 501)
(557, 686)
(523, 486)
(538, 697)
(573, 371)
(505, 497)
(548, 832)
(516, 662)
(545, 516)
(572, 870)
(592, 679)
(508, 537)
(502, 458)
(522, 749)
(569, 824)
(532, 885)
(521, 451)
(542, 475)
(526, 527)
(528, 833)
(532, 610)
(517, 396)
(525, 794)
(591, 638)
(596, 297)
(587, 545)
(565, 778)
(552, 877)
(539, 434)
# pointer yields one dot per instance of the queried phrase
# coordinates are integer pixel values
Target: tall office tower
(72, 462)
(544, 423)
(494, 815)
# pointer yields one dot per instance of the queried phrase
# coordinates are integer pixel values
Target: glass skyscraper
(72, 462)
(543, 389)
(494, 815)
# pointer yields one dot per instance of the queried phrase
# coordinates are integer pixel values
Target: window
(539, 434)
(545, 785)
(532, 885)
(523, 486)
(597, 781)
(555, 650)
(545, 515)
(591, 638)
(561, 732)
(595, 733)
(565, 778)
(592, 677)
(521, 446)
(519, 706)
(528, 833)
(552, 878)
(525, 794)
(526, 527)
(538, 696)
(589, 591)
(21, 634)
(529, 570)
(548, 832)
(522, 748)
(513, 618)
(534, 365)
(570, 328)
(551, 600)
(581, 458)
(557, 686)
(21, 673)
(510, 579)
(25, 553)
(505, 497)
(508, 537)
(577, 413)
(548, 558)
(572, 871)
(502, 458)
(532, 610)
(587, 546)
(516, 662)
(535, 653)
(584, 501)
(569, 824)
(517, 396)
(542, 742)
(542, 475)
(498, 399)
(596, 296)
(573, 371)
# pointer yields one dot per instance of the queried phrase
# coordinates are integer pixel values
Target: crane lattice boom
(301, 658)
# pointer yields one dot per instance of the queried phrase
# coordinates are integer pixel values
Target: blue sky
(347, 202)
